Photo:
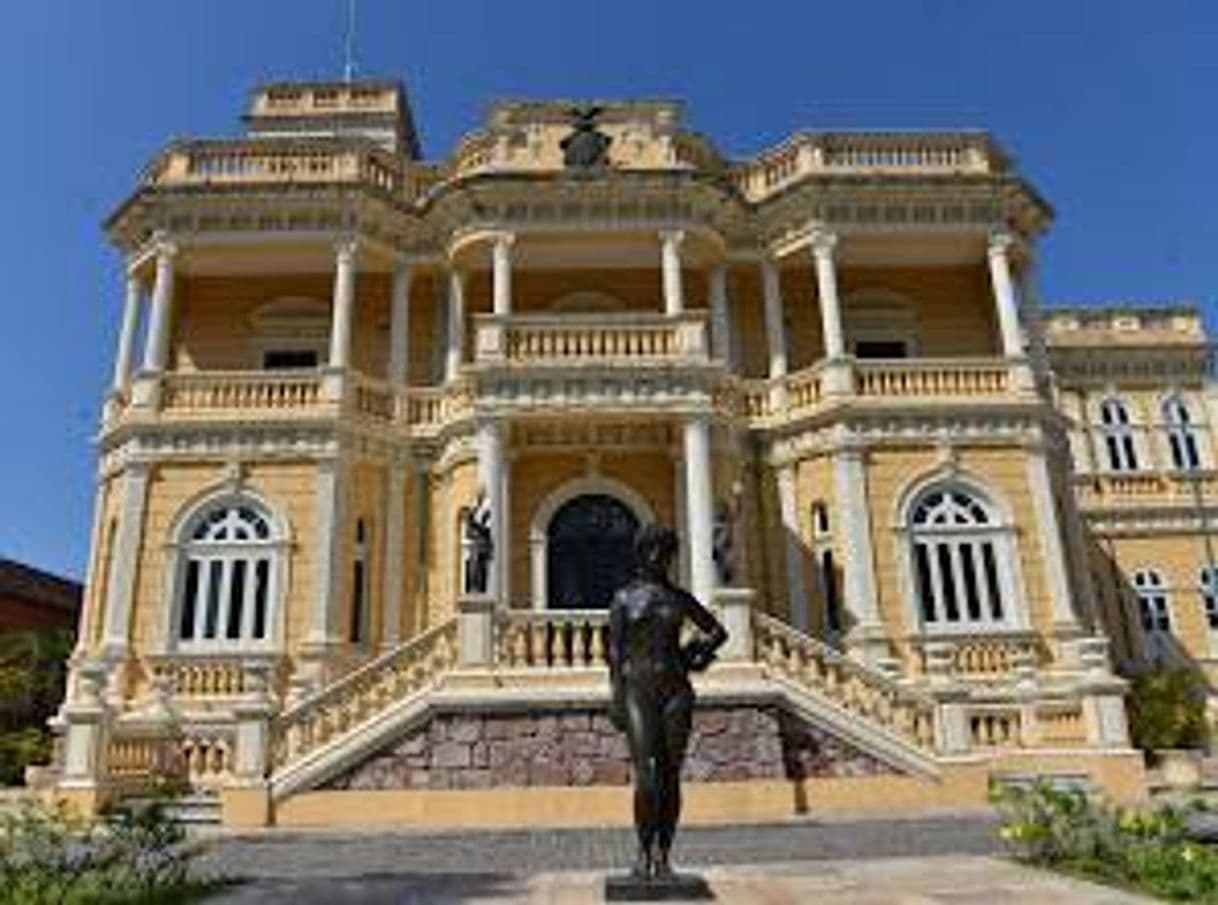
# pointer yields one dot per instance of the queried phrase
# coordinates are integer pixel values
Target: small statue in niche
(479, 545)
(723, 537)
(586, 146)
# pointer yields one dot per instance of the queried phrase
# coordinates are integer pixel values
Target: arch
(1181, 432)
(1117, 434)
(230, 536)
(539, 527)
(1154, 611)
(958, 548)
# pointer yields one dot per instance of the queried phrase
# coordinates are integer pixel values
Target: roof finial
(349, 47)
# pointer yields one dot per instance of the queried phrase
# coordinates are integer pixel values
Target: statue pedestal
(676, 887)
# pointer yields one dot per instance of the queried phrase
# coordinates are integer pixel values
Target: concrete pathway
(937, 880)
(950, 860)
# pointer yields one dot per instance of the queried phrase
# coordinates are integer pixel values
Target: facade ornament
(479, 545)
(586, 147)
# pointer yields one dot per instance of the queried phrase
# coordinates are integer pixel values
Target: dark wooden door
(590, 552)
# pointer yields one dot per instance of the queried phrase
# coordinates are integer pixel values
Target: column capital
(346, 246)
(165, 247)
(999, 242)
(674, 236)
(822, 241)
(503, 238)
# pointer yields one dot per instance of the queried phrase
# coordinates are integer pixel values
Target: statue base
(674, 887)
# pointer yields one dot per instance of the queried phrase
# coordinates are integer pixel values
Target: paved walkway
(913, 862)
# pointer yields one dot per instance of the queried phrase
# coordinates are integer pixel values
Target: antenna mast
(349, 44)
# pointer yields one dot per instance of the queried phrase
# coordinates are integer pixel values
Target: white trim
(124, 560)
(540, 525)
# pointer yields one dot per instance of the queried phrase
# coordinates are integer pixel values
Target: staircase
(544, 658)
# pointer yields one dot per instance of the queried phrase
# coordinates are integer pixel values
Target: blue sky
(1109, 108)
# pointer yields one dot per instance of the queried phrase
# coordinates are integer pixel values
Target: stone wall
(581, 748)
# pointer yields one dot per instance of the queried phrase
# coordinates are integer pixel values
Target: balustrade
(363, 693)
(847, 683)
(207, 756)
(580, 338)
(219, 391)
(253, 161)
(553, 639)
(1060, 723)
(896, 153)
(983, 657)
(208, 675)
(994, 728)
(932, 378)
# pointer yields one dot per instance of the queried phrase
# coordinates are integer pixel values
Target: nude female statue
(653, 700)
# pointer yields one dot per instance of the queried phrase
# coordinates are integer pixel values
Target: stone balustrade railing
(932, 378)
(979, 657)
(552, 639)
(217, 675)
(1135, 488)
(253, 162)
(893, 153)
(227, 391)
(847, 683)
(566, 339)
(363, 693)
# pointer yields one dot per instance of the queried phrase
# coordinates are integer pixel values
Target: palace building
(938, 519)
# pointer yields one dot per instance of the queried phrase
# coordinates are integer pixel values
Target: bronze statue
(653, 700)
(480, 546)
(586, 147)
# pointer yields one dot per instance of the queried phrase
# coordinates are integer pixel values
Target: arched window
(962, 560)
(226, 592)
(1181, 438)
(1152, 602)
(826, 570)
(1207, 585)
(1116, 429)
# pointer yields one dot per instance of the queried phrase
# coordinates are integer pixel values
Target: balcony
(616, 340)
(643, 364)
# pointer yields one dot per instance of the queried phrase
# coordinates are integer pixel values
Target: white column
(793, 557)
(456, 324)
(670, 265)
(858, 566)
(1052, 550)
(395, 554)
(124, 559)
(501, 267)
(399, 323)
(330, 500)
(156, 345)
(775, 329)
(491, 477)
(343, 304)
(1004, 295)
(823, 244)
(720, 318)
(700, 508)
(126, 334)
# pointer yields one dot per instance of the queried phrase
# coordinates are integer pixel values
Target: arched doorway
(589, 551)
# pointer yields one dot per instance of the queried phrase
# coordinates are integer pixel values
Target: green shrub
(129, 855)
(32, 670)
(1068, 830)
(1167, 710)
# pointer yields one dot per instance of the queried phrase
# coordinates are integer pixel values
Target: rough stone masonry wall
(581, 748)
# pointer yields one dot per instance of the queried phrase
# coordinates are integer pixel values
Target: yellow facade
(822, 364)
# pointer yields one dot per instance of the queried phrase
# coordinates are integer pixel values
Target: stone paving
(949, 860)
